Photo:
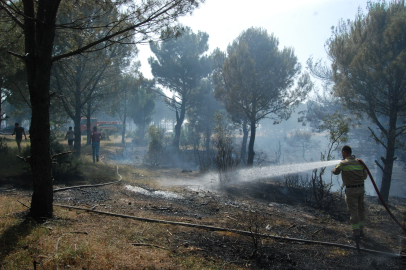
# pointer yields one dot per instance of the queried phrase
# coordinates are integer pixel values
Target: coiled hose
(380, 196)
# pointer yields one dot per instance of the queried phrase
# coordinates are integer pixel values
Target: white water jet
(210, 181)
(256, 173)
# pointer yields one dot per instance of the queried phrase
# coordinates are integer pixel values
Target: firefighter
(353, 175)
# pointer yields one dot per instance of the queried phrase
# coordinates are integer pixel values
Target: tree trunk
(178, 126)
(207, 142)
(78, 134)
(1, 101)
(304, 153)
(389, 159)
(124, 118)
(124, 127)
(39, 37)
(88, 128)
(142, 130)
(251, 152)
(41, 165)
(244, 141)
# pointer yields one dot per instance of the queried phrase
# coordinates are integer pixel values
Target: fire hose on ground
(241, 232)
(380, 196)
(248, 233)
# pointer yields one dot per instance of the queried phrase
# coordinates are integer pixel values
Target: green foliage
(245, 83)
(106, 134)
(303, 140)
(155, 154)
(3, 146)
(337, 127)
(67, 166)
(369, 70)
(226, 160)
(140, 138)
(179, 65)
(139, 21)
(200, 117)
(86, 84)
(255, 79)
(120, 105)
(189, 138)
(142, 105)
(13, 87)
(130, 134)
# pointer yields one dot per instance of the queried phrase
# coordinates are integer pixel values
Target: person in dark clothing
(19, 131)
(70, 136)
(95, 138)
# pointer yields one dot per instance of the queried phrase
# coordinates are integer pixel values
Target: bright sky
(304, 25)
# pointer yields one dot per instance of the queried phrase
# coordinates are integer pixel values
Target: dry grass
(10, 165)
(83, 240)
(80, 240)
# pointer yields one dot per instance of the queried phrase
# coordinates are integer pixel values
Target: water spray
(380, 196)
(280, 170)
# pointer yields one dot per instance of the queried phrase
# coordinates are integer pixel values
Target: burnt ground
(265, 207)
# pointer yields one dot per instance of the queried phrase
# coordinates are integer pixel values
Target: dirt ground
(265, 207)
(262, 207)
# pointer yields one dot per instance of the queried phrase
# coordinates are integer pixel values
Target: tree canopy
(257, 79)
(142, 105)
(179, 65)
(369, 71)
(137, 21)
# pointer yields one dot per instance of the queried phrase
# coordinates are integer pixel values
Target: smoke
(211, 181)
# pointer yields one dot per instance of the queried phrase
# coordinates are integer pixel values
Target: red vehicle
(101, 125)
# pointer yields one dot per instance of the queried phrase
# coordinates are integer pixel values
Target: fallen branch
(62, 154)
(317, 231)
(146, 245)
(87, 186)
(28, 159)
(247, 233)
(23, 204)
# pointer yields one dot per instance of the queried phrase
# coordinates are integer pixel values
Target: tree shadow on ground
(11, 237)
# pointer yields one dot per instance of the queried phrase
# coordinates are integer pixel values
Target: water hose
(246, 233)
(380, 196)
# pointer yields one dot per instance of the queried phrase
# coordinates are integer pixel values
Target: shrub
(3, 146)
(155, 154)
(66, 166)
(130, 134)
(226, 160)
(106, 133)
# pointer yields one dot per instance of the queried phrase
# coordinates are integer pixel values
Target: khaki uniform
(353, 175)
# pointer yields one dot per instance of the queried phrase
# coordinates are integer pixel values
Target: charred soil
(265, 207)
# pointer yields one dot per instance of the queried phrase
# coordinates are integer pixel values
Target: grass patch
(80, 240)
(10, 164)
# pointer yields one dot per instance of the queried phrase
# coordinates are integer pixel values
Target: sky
(304, 25)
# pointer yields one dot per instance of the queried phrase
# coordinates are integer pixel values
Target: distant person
(95, 138)
(353, 174)
(70, 136)
(19, 131)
